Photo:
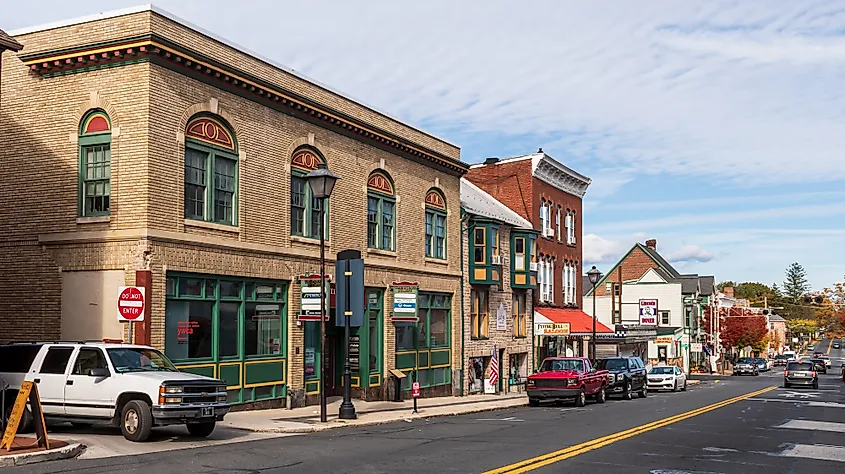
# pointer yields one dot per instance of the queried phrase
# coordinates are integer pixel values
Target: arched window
(211, 171)
(381, 211)
(95, 164)
(435, 224)
(304, 208)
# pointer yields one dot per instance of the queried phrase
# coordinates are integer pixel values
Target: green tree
(753, 292)
(796, 283)
(725, 284)
(776, 290)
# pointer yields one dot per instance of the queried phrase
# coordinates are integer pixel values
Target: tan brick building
(498, 286)
(164, 157)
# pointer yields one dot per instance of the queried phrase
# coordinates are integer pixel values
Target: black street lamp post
(322, 181)
(594, 275)
(347, 409)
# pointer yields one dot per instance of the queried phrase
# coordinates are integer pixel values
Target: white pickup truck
(134, 387)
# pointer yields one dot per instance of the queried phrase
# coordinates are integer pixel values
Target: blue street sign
(356, 292)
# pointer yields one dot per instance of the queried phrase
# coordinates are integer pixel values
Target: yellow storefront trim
(199, 366)
(265, 384)
(240, 374)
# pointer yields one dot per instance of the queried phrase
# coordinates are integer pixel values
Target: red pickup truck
(567, 378)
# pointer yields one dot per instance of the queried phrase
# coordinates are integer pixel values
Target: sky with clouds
(715, 127)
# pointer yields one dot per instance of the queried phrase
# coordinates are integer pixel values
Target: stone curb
(693, 382)
(340, 424)
(67, 452)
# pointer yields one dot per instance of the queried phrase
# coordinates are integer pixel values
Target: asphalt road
(775, 431)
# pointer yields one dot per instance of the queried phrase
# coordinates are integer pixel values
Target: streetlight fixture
(322, 181)
(594, 275)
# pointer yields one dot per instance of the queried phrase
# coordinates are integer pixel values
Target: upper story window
(304, 208)
(479, 247)
(381, 212)
(569, 274)
(570, 227)
(211, 171)
(519, 254)
(664, 318)
(545, 279)
(557, 225)
(435, 224)
(479, 318)
(520, 314)
(496, 244)
(94, 164)
(546, 219)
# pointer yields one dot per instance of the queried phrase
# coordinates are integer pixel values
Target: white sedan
(666, 377)
(827, 362)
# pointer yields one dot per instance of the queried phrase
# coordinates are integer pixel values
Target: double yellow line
(572, 451)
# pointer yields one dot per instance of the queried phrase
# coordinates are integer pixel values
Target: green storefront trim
(248, 377)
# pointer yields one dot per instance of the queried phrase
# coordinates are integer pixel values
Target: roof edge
(166, 14)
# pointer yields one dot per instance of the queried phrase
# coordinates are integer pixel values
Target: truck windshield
(565, 364)
(136, 359)
(613, 364)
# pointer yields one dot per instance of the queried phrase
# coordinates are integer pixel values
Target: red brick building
(547, 193)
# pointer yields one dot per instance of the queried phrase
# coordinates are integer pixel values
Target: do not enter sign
(130, 303)
(415, 390)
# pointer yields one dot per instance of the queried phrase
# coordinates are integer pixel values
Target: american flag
(494, 366)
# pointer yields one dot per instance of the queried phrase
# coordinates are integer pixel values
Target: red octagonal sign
(130, 303)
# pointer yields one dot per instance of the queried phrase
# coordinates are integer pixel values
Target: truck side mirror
(98, 372)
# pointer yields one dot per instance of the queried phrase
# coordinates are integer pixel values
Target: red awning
(580, 323)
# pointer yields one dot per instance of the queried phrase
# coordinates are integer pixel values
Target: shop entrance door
(334, 364)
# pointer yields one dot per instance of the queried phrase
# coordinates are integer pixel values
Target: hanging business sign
(405, 301)
(664, 340)
(309, 297)
(648, 312)
(552, 329)
(501, 318)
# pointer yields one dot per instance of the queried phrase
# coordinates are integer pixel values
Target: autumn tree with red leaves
(740, 328)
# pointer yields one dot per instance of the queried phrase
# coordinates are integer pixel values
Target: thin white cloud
(689, 253)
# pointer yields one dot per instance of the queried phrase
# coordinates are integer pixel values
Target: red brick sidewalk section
(24, 444)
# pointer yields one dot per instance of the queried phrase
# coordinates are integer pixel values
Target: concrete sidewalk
(307, 419)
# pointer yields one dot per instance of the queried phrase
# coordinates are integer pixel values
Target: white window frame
(570, 228)
(557, 224)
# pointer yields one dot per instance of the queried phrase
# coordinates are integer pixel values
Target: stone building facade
(167, 158)
(498, 287)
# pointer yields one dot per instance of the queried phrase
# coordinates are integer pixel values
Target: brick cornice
(165, 53)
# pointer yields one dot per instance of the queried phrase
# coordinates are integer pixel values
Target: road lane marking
(572, 451)
(815, 451)
(800, 402)
(813, 426)
(829, 345)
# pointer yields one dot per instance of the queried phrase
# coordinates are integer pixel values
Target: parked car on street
(126, 385)
(780, 359)
(835, 344)
(626, 376)
(819, 364)
(666, 377)
(746, 365)
(567, 378)
(762, 364)
(800, 373)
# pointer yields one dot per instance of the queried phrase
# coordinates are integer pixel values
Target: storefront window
(190, 287)
(230, 289)
(312, 342)
(189, 329)
(405, 336)
(228, 338)
(439, 328)
(262, 329)
(433, 332)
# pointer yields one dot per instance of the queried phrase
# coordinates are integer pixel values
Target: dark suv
(627, 376)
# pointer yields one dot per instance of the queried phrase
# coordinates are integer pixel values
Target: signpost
(27, 393)
(648, 312)
(405, 302)
(130, 306)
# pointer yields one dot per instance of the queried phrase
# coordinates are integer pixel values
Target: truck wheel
(136, 421)
(601, 396)
(201, 430)
(581, 400)
(25, 425)
(629, 391)
(533, 402)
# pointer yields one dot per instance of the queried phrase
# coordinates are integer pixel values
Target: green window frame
(211, 182)
(435, 233)
(435, 317)
(220, 323)
(94, 188)
(381, 215)
(479, 245)
(305, 209)
(374, 337)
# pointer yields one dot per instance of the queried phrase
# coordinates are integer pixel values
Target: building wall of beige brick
(503, 339)
(149, 107)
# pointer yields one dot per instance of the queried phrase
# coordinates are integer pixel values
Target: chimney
(728, 291)
(540, 150)
(651, 243)
(491, 161)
